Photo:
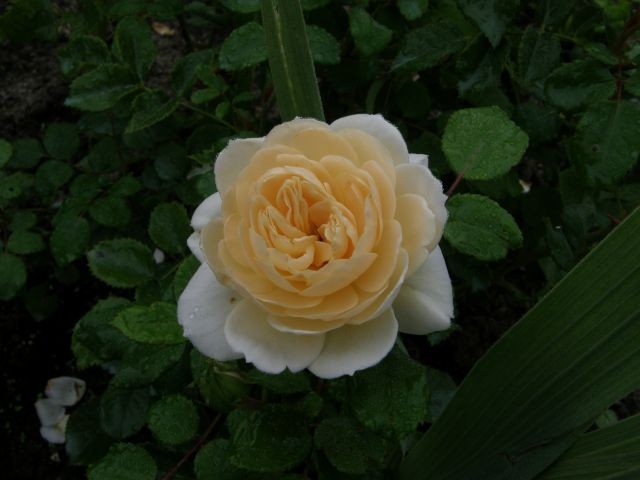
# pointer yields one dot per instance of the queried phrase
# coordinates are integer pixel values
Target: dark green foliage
(528, 113)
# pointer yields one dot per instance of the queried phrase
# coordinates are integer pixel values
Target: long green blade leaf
(612, 453)
(290, 61)
(524, 403)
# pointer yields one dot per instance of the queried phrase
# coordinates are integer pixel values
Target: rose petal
(425, 301)
(233, 159)
(356, 347)
(193, 242)
(208, 209)
(203, 309)
(419, 159)
(419, 180)
(65, 391)
(377, 127)
(418, 228)
(270, 350)
(49, 411)
(283, 133)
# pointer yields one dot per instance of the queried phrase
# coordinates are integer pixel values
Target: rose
(323, 239)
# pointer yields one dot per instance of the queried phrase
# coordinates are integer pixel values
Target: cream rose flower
(324, 243)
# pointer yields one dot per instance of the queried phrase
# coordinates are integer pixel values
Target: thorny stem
(194, 449)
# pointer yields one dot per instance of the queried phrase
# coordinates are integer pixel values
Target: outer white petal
(56, 433)
(378, 127)
(193, 242)
(65, 391)
(418, 179)
(356, 347)
(49, 411)
(419, 159)
(270, 350)
(233, 159)
(425, 302)
(209, 208)
(203, 309)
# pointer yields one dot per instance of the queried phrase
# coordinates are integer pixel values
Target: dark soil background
(32, 93)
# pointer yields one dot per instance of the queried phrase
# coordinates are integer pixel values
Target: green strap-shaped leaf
(612, 453)
(543, 383)
(290, 61)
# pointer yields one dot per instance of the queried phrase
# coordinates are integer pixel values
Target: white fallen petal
(270, 350)
(379, 128)
(425, 301)
(158, 256)
(65, 391)
(209, 208)
(203, 309)
(55, 433)
(49, 411)
(356, 347)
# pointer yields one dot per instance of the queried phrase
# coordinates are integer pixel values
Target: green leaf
(428, 46)
(95, 340)
(61, 140)
(126, 186)
(125, 461)
(242, 6)
(325, 49)
(483, 143)
(412, 9)
(14, 185)
(27, 152)
(171, 161)
(442, 389)
(541, 123)
(390, 397)
(271, 439)
(290, 60)
(608, 140)
(82, 52)
(28, 20)
(205, 95)
(24, 242)
(69, 239)
(546, 380)
(609, 453)
(600, 52)
(284, 383)
(579, 83)
(173, 419)
(111, 211)
(631, 85)
(101, 88)
(212, 461)
(479, 227)
(369, 36)
(169, 227)
(144, 364)
(150, 108)
(156, 324)
(6, 150)
(133, 45)
(14, 276)
(244, 47)
(23, 220)
(122, 262)
(491, 16)
(85, 442)
(485, 74)
(348, 446)
(184, 73)
(52, 175)
(220, 386)
(123, 411)
(538, 54)
(186, 270)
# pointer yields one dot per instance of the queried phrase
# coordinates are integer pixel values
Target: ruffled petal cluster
(320, 245)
